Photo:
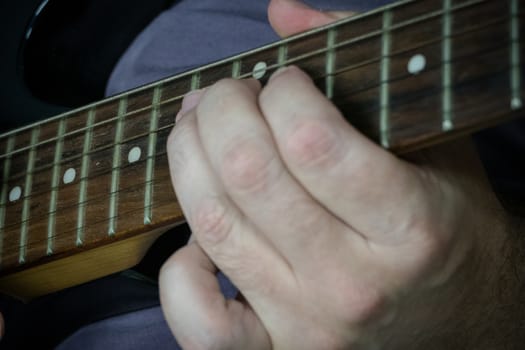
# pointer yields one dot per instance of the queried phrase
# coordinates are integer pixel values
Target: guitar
(85, 193)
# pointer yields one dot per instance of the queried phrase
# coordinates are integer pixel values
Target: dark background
(68, 57)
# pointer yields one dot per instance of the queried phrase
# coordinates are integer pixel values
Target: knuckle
(359, 303)
(314, 144)
(212, 223)
(247, 166)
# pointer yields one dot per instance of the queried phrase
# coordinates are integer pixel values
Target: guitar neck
(407, 75)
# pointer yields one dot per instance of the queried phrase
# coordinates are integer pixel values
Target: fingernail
(190, 100)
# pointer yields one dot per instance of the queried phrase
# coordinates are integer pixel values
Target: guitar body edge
(77, 269)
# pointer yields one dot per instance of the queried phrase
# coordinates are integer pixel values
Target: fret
(236, 69)
(138, 114)
(55, 181)
(152, 143)
(115, 173)
(282, 55)
(515, 71)
(165, 201)
(27, 197)
(5, 188)
(195, 80)
(446, 83)
(330, 62)
(384, 99)
(84, 173)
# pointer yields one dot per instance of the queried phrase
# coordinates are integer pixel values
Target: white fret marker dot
(516, 103)
(134, 155)
(259, 70)
(69, 176)
(447, 125)
(417, 64)
(15, 194)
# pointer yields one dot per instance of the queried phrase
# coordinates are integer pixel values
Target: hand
(333, 242)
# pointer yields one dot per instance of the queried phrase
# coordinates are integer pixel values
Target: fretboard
(407, 75)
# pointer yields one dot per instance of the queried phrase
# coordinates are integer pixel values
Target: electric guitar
(85, 193)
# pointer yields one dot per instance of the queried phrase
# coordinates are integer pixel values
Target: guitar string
(64, 234)
(109, 170)
(99, 174)
(70, 234)
(93, 153)
(103, 197)
(136, 137)
(347, 21)
(377, 33)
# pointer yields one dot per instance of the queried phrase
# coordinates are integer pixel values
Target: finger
(252, 173)
(289, 17)
(220, 228)
(196, 310)
(365, 186)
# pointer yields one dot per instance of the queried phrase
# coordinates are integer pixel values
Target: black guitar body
(58, 54)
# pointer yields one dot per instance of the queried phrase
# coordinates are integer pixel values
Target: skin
(333, 242)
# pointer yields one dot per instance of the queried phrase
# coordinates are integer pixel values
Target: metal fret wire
(515, 78)
(26, 200)
(55, 181)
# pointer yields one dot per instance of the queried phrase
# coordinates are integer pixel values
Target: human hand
(333, 242)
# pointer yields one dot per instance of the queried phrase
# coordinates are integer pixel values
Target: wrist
(492, 313)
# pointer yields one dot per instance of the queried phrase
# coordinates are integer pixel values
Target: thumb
(289, 17)
(197, 312)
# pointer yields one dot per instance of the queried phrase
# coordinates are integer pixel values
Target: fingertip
(288, 17)
(190, 100)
